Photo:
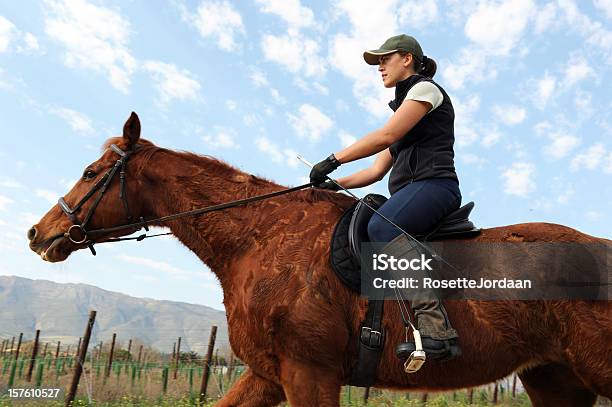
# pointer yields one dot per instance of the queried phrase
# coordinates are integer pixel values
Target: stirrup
(450, 349)
(412, 352)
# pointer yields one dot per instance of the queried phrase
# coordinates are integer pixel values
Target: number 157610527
(38, 393)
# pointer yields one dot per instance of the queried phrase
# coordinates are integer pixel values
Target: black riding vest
(426, 151)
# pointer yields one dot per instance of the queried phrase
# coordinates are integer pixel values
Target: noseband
(77, 233)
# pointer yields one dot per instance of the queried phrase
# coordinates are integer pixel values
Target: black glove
(332, 186)
(320, 170)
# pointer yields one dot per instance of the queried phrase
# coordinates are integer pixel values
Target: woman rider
(416, 144)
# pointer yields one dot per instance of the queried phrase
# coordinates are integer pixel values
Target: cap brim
(371, 57)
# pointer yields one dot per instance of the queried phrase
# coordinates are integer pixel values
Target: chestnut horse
(290, 318)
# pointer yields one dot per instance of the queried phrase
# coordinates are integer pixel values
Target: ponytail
(428, 67)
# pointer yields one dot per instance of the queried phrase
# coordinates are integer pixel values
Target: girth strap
(371, 345)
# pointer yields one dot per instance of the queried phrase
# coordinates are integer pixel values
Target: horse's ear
(131, 129)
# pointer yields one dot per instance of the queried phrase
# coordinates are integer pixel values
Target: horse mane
(223, 169)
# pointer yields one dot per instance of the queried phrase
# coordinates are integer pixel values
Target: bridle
(78, 232)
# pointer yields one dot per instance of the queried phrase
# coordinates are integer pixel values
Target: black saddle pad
(345, 265)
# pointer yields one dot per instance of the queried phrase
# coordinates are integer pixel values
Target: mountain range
(61, 311)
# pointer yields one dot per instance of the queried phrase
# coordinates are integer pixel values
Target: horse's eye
(89, 175)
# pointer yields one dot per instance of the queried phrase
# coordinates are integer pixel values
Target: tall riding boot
(440, 340)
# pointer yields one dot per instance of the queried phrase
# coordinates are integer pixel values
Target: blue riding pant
(417, 208)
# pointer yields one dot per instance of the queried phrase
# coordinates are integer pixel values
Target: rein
(78, 234)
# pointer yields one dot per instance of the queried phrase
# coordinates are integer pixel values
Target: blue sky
(256, 82)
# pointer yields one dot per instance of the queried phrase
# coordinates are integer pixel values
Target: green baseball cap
(400, 42)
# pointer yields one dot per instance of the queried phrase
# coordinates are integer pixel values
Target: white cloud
(491, 137)
(252, 120)
(231, 105)
(6, 182)
(310, 122)
(593, 32)
(218, 20)
(295, 52)
(266, 146)
(258, 77)
(12, 38)
(276, 154)
(607, 163)
(510, 114)
(566, 193)
(172, 82)
(291, 11)
(4, 202)
(561, 141)
(465, 134)
(561, 144)
(605, 6)
(277, 96)
(222, 138)
(418, 14)
(544, 89)
(590, 158)
(467, 67)
(497, 27)
(95, 38)
(49, 196)
(473, 159)
(576, 71)
(7, 33)
(584, 103)
(518, 179)
(545, 17)
(78, 122)
(494, 30)
(346, 139)
(30, 43)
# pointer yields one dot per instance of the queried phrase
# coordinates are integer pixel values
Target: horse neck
(185, 182)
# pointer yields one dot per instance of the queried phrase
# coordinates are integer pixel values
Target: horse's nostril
(32, 233)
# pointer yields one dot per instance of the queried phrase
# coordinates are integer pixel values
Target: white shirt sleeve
(426, 92)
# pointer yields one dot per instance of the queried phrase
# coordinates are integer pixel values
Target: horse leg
(309, 385)
(556, 385)
(252, 390)
(588, 351)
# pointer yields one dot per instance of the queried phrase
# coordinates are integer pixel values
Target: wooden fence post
(207, 360)
(139, 355)
(110, 357)
(76, 353)
(33, 358)
(57, 351)
(177, 358)
(12, 345)
(81, 354)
